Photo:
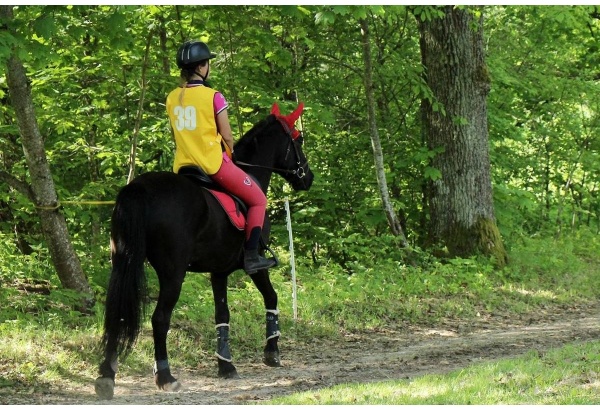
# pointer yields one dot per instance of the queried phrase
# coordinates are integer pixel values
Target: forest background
(99, 76)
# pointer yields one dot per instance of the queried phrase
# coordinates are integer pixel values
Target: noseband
(300, 171)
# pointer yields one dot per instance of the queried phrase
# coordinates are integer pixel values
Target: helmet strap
(204, 77)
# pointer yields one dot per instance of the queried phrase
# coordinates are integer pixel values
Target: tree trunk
(140, 111)
(54, 226)
(461, 203)
(393, 221)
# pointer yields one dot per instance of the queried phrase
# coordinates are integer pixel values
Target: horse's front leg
(219, 287)
(161, 320)
(264, 286)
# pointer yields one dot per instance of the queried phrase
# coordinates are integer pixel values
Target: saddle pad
(236, 217)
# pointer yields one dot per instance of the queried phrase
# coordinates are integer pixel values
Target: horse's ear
(293, 117)
(275, 109)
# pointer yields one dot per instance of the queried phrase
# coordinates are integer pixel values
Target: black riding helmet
(191, 53)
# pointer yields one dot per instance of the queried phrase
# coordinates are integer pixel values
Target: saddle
(233, 206)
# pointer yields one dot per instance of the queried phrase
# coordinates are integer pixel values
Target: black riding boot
(252, 260)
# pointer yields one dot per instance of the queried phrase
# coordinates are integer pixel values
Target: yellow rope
(59, 204)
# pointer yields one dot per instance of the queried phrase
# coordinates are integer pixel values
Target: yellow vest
(194, 125)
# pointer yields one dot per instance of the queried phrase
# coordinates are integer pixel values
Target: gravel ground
(387, 354)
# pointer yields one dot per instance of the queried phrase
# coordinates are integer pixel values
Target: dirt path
(360, 358)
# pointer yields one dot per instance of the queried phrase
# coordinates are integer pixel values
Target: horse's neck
(258, 169)
(262, 176)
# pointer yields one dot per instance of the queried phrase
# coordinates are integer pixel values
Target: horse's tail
(125, 300)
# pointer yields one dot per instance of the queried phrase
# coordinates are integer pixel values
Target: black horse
(180, 227)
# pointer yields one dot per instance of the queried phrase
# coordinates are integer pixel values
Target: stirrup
(266, 248)
(254, 262)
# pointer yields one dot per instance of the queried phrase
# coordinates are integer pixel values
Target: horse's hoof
(105, 388)
(232, 374)
(171, 387)
(227, 370)
(165, 381)
(271, 359)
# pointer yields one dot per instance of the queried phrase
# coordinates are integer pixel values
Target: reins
(300, 172)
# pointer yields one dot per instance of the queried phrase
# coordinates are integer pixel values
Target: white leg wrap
(274, 335)
(222, 358)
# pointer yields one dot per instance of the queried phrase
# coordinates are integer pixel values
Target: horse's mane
(257, 129)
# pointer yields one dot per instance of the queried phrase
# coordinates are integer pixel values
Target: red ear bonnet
(293, 117)
(290, 119)
(275, 110)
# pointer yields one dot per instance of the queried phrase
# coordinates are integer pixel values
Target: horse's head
(275, 145)
(291, 163)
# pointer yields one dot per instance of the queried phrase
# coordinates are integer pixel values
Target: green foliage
(31, 290)
(426, 13)
(85, 64)
(542, 119)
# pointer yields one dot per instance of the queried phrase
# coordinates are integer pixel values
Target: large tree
(42, 190)
(460, 202)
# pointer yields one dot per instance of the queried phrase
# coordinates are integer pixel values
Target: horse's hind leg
(219, 287)
(264, 286)
(105, 384)
(170, 289)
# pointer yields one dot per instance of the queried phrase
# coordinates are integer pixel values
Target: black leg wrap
(223, 352)
(271, 357)
(160, 365)
(272, 324)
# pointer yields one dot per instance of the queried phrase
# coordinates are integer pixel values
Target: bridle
(300, 171)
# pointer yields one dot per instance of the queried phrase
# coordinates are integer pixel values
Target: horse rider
(203, 138)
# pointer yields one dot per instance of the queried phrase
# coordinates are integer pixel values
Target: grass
(43, 337)
(561, 376)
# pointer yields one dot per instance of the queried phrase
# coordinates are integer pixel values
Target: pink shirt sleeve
(219, 103)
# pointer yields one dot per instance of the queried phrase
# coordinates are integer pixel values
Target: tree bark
(140, 111)
(461, 203)
(392, 218)
(43, 192)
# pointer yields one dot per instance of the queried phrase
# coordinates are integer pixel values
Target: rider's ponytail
(186, 75)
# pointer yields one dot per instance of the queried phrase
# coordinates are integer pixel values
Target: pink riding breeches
(238, 183)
